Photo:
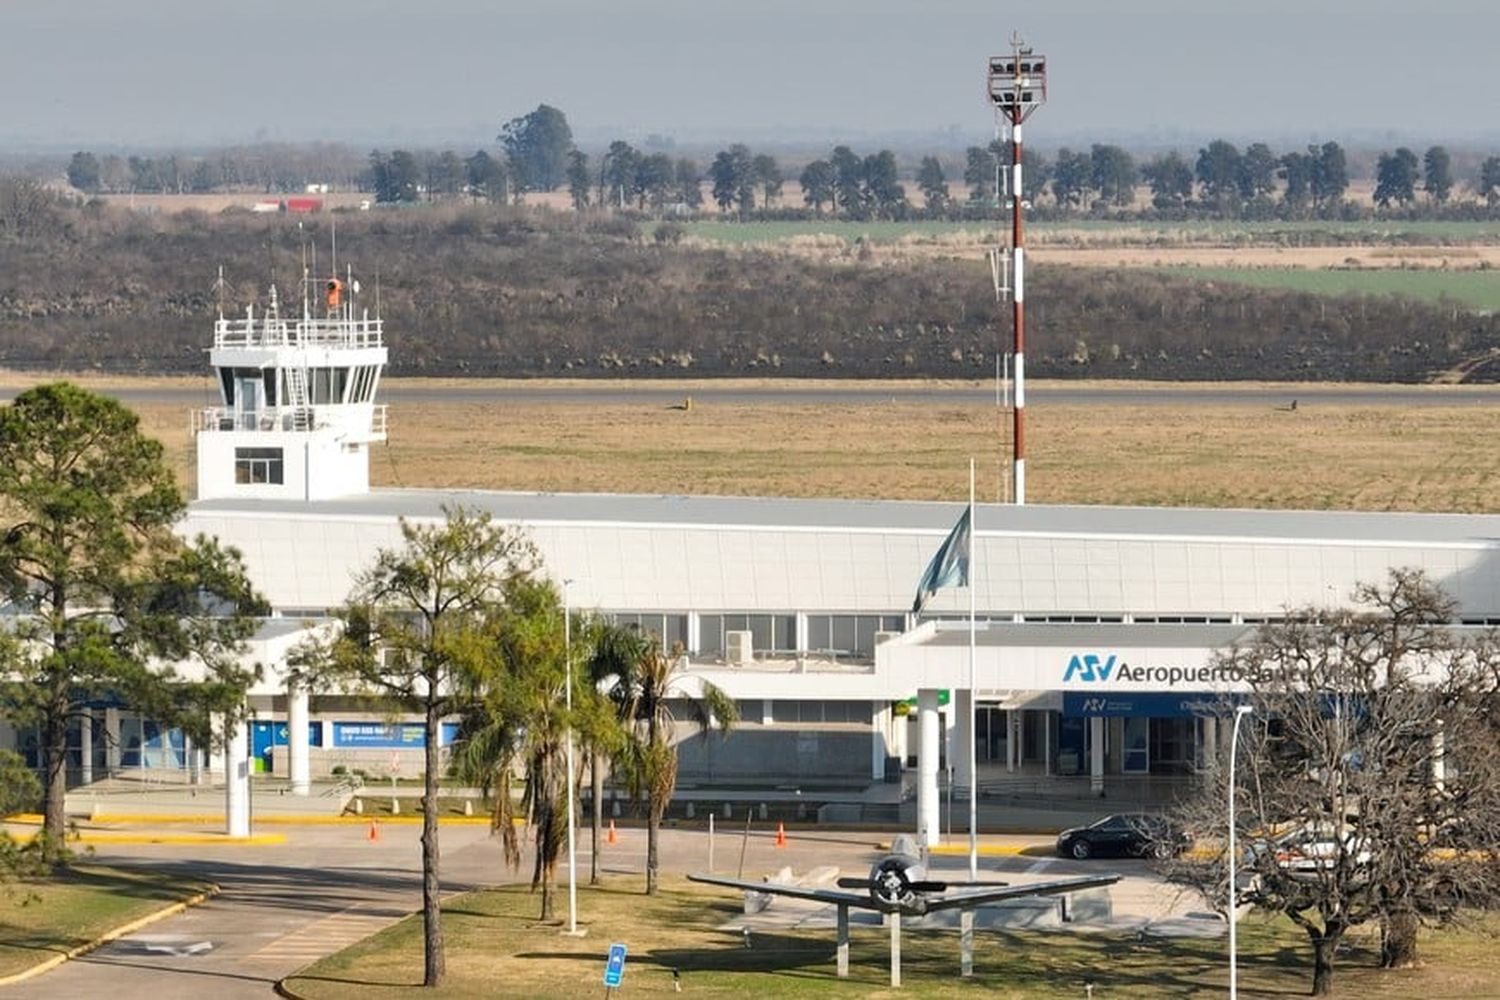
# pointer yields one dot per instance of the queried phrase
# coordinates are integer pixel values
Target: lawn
(1478, 289)
(496, 947)
(44, 918)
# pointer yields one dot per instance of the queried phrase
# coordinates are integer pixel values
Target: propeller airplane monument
(899, 886)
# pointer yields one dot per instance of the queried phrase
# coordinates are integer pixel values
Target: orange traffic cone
(780, 834)
(374, 834)
(611, 838)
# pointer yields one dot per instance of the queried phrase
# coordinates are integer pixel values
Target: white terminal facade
(1098, 624)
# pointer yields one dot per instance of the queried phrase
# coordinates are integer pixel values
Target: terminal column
(86, 747)
(928, 818)
(111, 741)
(237, 779)
(299, 766)
(1096, 755)
(963, 732)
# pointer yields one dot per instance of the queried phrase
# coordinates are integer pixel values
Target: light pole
(1240, 712)
(568, 694)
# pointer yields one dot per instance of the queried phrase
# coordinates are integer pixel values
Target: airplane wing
(974, 897)
(861, 900)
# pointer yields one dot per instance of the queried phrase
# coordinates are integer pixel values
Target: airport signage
(380, 735)
(1110, 670)
(614, 967)
(1145, 704)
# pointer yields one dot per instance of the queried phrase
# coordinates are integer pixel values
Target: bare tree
(1367, 785)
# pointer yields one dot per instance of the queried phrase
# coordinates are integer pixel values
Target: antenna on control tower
(1016, 85)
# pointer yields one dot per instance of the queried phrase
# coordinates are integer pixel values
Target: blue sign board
(1148, 704)
(614, 969)
(380, 735)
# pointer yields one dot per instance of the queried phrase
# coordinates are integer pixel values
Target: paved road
(283, 907)
(867, 393)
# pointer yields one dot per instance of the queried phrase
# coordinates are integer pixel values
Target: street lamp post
(1234, 744)
(568, 694)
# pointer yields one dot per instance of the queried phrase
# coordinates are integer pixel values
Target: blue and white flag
(949, 566)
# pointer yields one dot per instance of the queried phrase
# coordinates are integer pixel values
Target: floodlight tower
(1017, 85)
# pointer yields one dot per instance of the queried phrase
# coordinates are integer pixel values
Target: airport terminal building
(1096, 626)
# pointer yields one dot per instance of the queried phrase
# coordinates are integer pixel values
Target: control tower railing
(271, 331)
(286, 418)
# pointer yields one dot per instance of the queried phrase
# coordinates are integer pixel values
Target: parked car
(1124, 835)
(1308, 849)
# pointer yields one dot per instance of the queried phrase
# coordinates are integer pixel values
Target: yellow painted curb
(184, 819)
(211, 839)
(83, 949)
(990, 850)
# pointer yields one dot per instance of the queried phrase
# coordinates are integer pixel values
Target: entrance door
(248, 395)
(1137, 759)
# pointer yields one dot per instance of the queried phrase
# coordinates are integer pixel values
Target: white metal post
(1234, 744)
(967, 704)
(568, 695)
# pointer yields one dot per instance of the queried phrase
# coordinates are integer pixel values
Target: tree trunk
(55, 778)
(596, 813)
(433, 966)
(1323, 951)
(653, 827)
(1398, 940)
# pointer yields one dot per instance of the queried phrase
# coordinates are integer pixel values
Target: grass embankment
(1479, 289)
(496, 947)
(49, 917)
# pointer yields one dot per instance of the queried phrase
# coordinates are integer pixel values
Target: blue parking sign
(614, 969)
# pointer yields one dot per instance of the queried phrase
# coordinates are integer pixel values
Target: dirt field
(1435, 458)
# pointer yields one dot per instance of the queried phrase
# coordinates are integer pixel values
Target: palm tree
(651, 679)
(600, 728)
(518, 723)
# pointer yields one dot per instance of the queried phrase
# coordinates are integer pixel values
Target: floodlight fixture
(1017, 83)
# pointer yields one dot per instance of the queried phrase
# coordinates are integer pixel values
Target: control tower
(298, 409)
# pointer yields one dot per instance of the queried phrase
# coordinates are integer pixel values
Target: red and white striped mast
(1017, 86)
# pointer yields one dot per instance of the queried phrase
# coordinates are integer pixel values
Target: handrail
(280, 418)
(268, 332)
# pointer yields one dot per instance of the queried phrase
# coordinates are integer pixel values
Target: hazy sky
(100, 73)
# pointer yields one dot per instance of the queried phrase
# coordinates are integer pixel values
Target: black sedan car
(1123, 835)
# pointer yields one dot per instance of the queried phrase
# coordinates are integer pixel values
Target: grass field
(496, 947)
(1302, 232)
(1477, 289)
(41, 919)
(1434, 458)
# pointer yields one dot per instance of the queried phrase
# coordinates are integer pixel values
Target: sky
(176, 74)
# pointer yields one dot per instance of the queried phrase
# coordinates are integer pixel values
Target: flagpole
(973, 701)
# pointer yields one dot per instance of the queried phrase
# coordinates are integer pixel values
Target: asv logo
(1089, 668)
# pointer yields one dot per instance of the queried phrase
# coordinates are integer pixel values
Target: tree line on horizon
(537, 153)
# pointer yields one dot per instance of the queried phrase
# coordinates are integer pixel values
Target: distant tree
(538, 145)
(882, 192)
(578, 178)
(1297, 170)
(1113, 173)
(83, 172)
(688, 183)
(932, 184)
(1257, 177)
(1170, 179)
(1396, 178)
(1487, 185)
(848, 181)
(653, 179)
(1330, 177)
(203, 178)
(445, 174)
(617, 173)
(723, 173)
(768, 175)
(486, 177)
(1437, 173)
(981, 174)
(1072, 178)
(817, 181)
(1218, 171)
(114, 174)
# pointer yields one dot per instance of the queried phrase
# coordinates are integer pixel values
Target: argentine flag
(949, 566)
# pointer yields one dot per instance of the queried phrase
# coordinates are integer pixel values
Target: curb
(47, 965)
(184, 819)
(201, 839)
(283, 990)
